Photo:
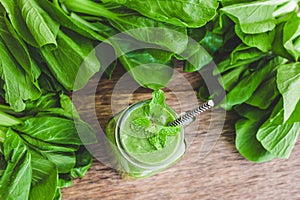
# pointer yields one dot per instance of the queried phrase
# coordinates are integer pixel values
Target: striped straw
(189, 115)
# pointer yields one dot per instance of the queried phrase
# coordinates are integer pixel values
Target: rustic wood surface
(222, 174)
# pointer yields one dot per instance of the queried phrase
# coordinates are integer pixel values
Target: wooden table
(222, 174)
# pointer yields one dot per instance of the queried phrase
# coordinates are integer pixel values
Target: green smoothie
(142, 140)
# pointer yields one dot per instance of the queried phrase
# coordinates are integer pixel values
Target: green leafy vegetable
(16, 179)
(181, 13)
(288, 81)
(278, 137)
(40, 144)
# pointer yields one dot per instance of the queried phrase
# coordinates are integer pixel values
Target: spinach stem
(90, 8)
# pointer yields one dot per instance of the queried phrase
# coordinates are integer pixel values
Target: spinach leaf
(244, 52)
(254, 17)
(141, 63)
(277, 137)
(246, 142)
(29, 21)
(18, 49)
(170, 37)
(44, 178)
(16, 91)
(288, 81)
(83, 163)
(185, 13)
(197, 57)
(230, 79)
(265, 94)
(16, 179)
(262, 41)
(56, 130)
(248, 85)
(71, 22)
(8, 120)
(291, 36)
(73, 61)
(38, 21)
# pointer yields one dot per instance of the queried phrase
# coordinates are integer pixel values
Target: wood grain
(222, 174)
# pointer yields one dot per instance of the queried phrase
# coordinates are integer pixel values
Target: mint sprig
(151, 125)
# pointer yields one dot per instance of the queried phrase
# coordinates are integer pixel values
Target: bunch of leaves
(43, 50)
(40, 149)
(152, 32)
(154, 125)
(258, 67)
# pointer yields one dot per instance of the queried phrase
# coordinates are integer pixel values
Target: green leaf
(169, 37)
(180, 13)
(16, 179)
(8, 120)
(277, 137)
(288, 81)
(58, 195)
(140, 124)
(38, 21)
(158, 98)
(29, 20)
(212, 42)
(158, 141)
(64, 161)
(16, 91)
(69, 22)
(44, 178)
(63, 156)
(252, 113)
(230, 78)
(265, 94)
(291, 36)
(244, 52)
(57, 130)
(40, 145)
(248, 84)
(74, 62)
(46, 101)
(262, 41)
(2, 137)
(68, 106)
(141, 63)
(18, 49)
(246, 142)
(254, 17)
(196, 56)
(83, 162)
(64, 180)
(169, 131)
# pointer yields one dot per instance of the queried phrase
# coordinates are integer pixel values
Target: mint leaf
(159, 140)
(169, 130)
(140, 124)
(158, 98)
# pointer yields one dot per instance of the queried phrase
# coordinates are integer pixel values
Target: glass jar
(143, 164)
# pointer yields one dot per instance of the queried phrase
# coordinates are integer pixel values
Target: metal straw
(191, 114)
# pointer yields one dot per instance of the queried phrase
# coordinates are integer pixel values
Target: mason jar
(136, 164)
